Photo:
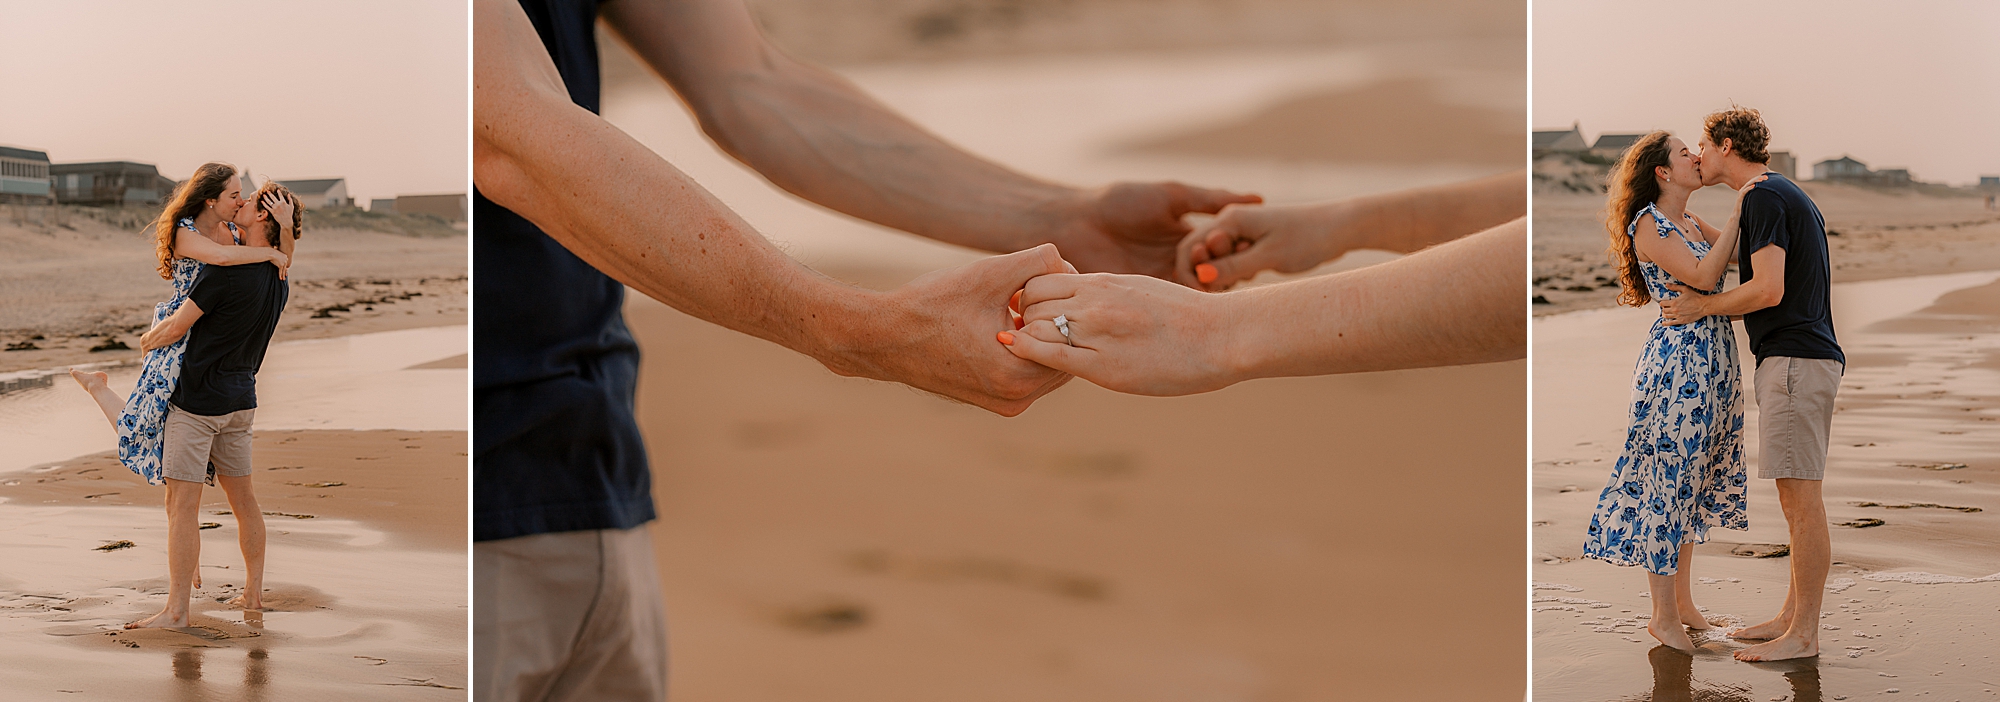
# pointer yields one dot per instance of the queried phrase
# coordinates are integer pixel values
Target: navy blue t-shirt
(1777, 213)
(240, 306)
(555, 446)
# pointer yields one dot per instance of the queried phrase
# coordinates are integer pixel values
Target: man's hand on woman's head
(1135, 227)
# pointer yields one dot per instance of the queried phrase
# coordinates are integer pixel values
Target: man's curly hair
(1745, 130)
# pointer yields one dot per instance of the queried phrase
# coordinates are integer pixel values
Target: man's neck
(1737, 173)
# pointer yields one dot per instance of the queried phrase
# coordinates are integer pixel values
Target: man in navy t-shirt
(569, 211)
(1785, 301)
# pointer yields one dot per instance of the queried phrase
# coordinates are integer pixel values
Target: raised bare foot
(90, 380)
(1671, 634)
(1782, 648)
(1765, 631)
(248, 600)
(159, 621)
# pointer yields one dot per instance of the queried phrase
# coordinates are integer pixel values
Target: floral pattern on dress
(1681, 471)
(142, 424)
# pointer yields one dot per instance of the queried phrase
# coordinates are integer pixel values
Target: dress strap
(1659, 220)
(238, 236)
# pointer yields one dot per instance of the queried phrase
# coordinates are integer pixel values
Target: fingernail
(1014, 303)
(1007, 338)
(1020, 322)
(1205, 273)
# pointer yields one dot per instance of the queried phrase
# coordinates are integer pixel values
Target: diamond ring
(1062, 325)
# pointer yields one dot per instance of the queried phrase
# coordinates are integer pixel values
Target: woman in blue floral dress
(1681, 471)
(205, 212)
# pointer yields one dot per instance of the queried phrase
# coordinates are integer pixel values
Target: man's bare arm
(817, 136)
(1760, 292)
(172, 328)
(630, 214)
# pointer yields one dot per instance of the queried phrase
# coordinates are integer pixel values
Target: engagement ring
(1062, 325)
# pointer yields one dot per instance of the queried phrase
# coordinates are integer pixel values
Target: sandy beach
(360, 468)
(1912, 493)
(847, 539)
(345, 281)
(365, 577)
(1873, 233)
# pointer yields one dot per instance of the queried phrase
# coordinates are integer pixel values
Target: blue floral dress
(1681, 471)
(141, 426)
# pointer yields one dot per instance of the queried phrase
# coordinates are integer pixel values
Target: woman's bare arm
(192, 244)
(1456, 303)
(1659, 245)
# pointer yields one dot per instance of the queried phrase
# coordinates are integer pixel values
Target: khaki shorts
(196, 442)
(1795, 415)
(569, 616)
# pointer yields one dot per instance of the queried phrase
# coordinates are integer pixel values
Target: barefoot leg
(1805, 518)
(1666, 622)
(249, 536)
(183, 554)
(1690, 615)
(97, 383)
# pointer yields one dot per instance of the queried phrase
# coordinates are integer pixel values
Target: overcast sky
(1904, 84)
(370, 90)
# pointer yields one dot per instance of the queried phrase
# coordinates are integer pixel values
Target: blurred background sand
(1338, 537)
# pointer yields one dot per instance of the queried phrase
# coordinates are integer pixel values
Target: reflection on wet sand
(1674, 681)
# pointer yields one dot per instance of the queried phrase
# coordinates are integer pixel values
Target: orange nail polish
(1007, 338)
(1205, 273)
(1014, 303)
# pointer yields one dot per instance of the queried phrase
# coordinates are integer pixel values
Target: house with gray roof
(24, 176)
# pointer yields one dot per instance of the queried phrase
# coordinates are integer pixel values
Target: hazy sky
(370, 90)
(1903, 84)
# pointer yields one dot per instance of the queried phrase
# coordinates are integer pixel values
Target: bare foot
(1671, 634)
(1782, 648)
(197, 581)
(159, 621)
(248, 600)
(1765, 631)
(1694, 619)
(91, 380)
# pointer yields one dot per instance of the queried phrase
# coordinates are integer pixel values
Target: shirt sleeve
(211, 288)
(1763, 222)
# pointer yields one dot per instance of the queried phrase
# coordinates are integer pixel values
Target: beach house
(24, 176)
(450, 207)
(1551, 141)
(109, 183)
(1843, 168)
(320, 193)
(1612, 146)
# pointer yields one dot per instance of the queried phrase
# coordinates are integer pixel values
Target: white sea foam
(1557, 586)
(1922, 578)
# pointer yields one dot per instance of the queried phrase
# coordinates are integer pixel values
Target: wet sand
(65, 290)
(849, 539)
(365, 577)
(1913, 492)
(1274, 540)
(1876, 234)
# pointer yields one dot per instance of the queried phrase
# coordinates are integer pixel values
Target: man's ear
(1727, 146)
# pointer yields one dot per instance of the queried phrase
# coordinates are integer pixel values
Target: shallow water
(363, 381)
(1910, 603)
